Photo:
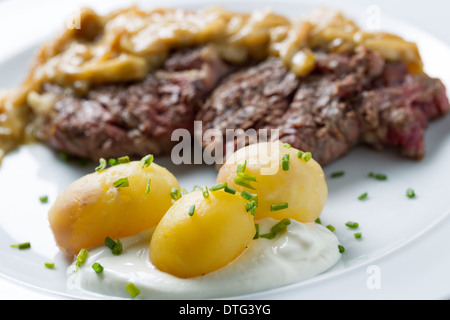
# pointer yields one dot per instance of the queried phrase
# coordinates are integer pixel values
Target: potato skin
(303, 186)
(217, 233)
(92, 208)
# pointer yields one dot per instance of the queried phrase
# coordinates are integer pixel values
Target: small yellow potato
(96, 206)
(302, 187)
(199, 235)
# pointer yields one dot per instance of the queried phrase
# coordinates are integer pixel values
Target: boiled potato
(199, 235)
(302, 187)
(96, 205)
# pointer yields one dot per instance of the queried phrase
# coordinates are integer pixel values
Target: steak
(132, 119)
(348, 99)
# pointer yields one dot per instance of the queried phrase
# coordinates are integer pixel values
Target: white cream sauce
(300, 252)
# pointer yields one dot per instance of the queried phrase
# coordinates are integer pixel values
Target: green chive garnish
(318, 221)
(132, 289)
(410, 193)
(341, 249)
(43, 199)
(102, 165)
(21, 246)
(184, 192)
(229, 190)
(218, 186)
(352, 225)
(285, 162)
(256, 231)
(246, 195)
(98, 268)
(49, 265)
(125, 159)
(242, 167)
(378, 176)
(287, 145)
(278, 227)
(81, 257)
(307, 156)
(121, 183)
(174, 193)
(363, 196)
(147, 189)
(113, 162)
(337, 174)
(196, 187)
(358, 235)
(205, 192)
(192, 210)
(279, 206)
(250, 205)
(331, 228)
(147, 160)
(115, 246)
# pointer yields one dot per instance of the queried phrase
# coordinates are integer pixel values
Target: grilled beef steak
(346, 100)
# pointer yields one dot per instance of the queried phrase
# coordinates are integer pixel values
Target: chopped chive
(331, 228)
(378, 176)
(285, 162)
(147, 189)
(121, 183)
(287, 145)
(337, 174)
(256, 231)
(307, 156)
(278, 227)
(281, 225)
(110, 243)
(250, 205)
(147, 160)
(247, 176)
(269, 235)
(242, 167)
(196, 187)
(113, 162)
(205, 192)
(352, 225)
(230, 190)
(174, 193)
(242, 182)
(358, 235)
(218, 186)
(115, 246)
(43, 199)
(279, 206)
(124, 159)
(102, 165)
(341, 249)
(184, 192)
(318, 221)
(192, 210)
(363, 196)
(246, 195)
(132, 289)
(49, 265)
(410, 193)
(98, 268)
(21, 246)
(81, 257)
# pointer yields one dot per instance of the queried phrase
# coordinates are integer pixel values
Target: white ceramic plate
(402, 251)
